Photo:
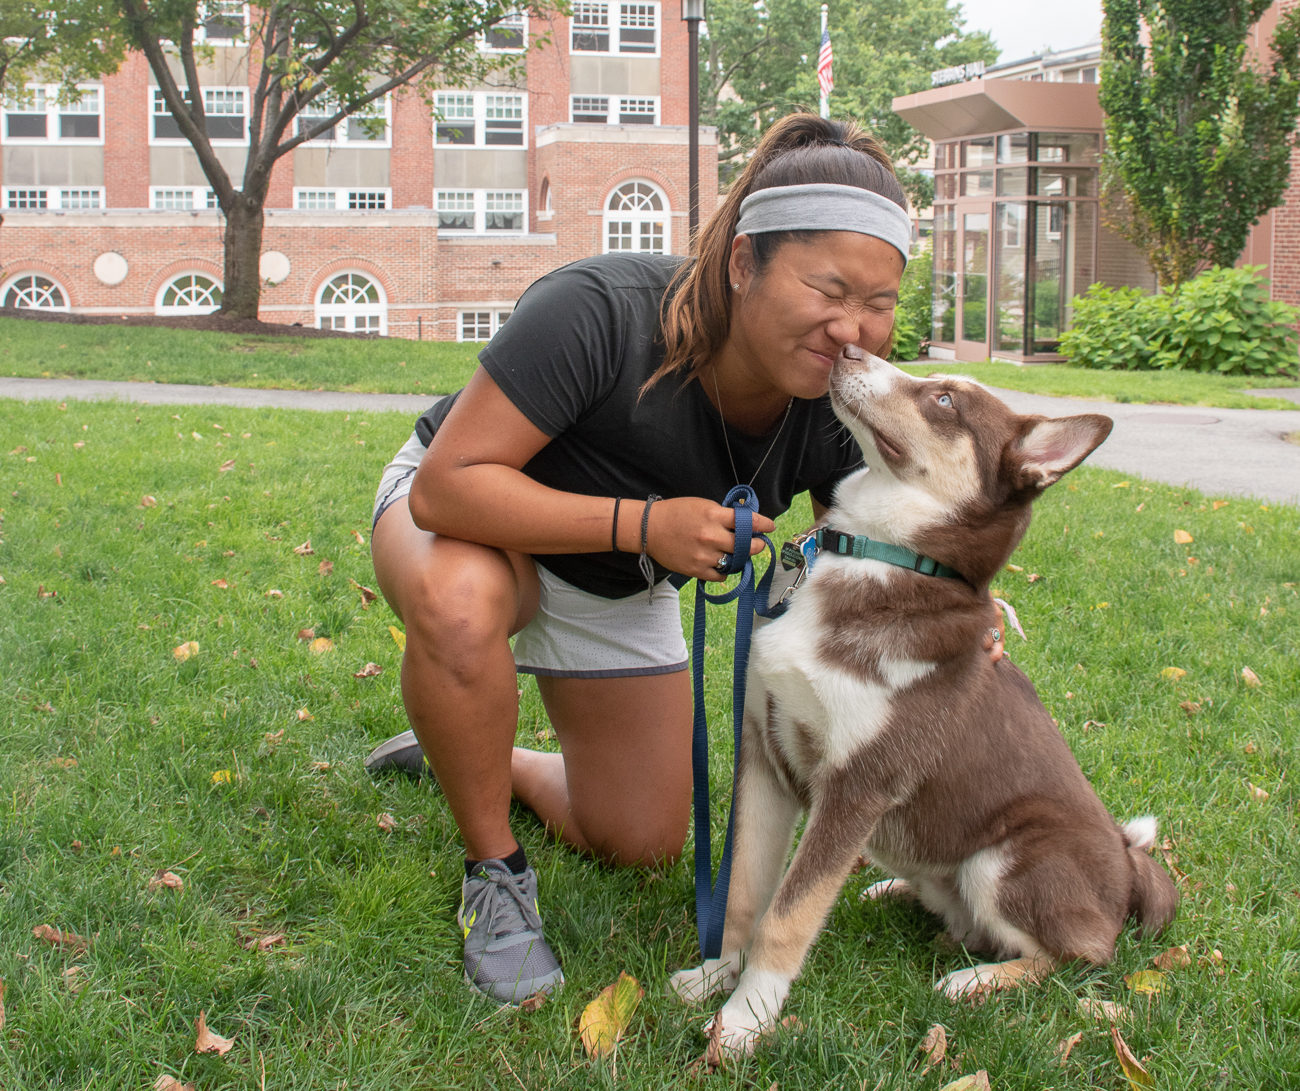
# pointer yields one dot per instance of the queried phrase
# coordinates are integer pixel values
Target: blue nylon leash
(711, 898)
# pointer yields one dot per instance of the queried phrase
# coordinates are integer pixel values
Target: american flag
(825, 76)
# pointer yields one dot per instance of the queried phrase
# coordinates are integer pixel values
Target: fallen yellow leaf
(399, 637)
(184, 651)
(303, 714)
(976, 1081)
(1121, 485)
(1146, 982)
(207, 1042)
(606, 1018)
(934, 1045)
(321, 645)
(1183, 538)
(1066, 1045)
(1220, 504)
(1173, 672)
(221, 776)
(1249, 677)
(1173, 959)
(1014, 568)
(1137, 1076)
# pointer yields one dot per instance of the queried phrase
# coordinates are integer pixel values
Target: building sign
(958, 73)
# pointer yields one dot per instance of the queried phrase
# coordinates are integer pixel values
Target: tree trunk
(243, 281)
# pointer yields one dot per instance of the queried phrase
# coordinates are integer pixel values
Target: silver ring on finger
(721, 566)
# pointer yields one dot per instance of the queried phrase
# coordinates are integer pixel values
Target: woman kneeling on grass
(523, 506)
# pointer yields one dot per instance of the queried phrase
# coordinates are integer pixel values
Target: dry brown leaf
(1190, 707)
(274, 593)
(1183, 538)
(304, 550)
(368, 671)
(1214, 960)
(2, 1004)
(976, 1081)
(935, 1046)
(1249, 677)
(220, 583)
(319, 766)
(171, 1083)
(1033, 577)
(41, 593)
(272, 738)
(321, 645)
(606, 1018)
(1137, 1076)
(263, 944)
(1146, 982)
(148, 502)
(207, 1042)
(1066, 1045)
(303, 714)
(1173, 959)
(1100, 1010)
(1250, 748)
(386, 822)
(537, 999)
(58, 938)
(76, 846)
(325, 568)
(62, 763)
(185, 651)
(1173, 673)
(1220, 504)
(357, 535)
(226, 467)
(74, 979)
(306, 634)
(1256, 793)
(367, 595)
(163, 877)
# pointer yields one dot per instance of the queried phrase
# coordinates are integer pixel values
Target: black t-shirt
(573, 357)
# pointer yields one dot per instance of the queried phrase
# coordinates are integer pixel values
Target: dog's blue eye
(945, 401)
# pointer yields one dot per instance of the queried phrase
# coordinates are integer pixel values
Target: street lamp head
(692, 10)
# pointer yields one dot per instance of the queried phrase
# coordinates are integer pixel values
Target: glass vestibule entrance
(1015, 236)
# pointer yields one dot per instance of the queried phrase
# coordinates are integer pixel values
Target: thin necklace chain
(734, 472)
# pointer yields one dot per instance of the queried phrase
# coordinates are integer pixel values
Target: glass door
(973, 283)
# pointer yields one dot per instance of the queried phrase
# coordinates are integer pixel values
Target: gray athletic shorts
(575, 634)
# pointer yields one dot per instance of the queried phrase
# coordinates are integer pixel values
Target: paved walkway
(1238, 451)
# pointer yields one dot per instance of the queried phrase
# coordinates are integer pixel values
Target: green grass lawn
(145, 353)
(246, 781)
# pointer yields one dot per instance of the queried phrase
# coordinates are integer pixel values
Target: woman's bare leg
(460, 603)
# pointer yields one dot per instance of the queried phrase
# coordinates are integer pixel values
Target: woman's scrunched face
(813, 298)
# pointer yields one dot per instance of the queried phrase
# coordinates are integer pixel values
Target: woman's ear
(740, 267)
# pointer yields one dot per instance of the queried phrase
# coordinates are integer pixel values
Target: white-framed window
(222, 22)
(368, 128)
(481, 211)
(225, 110)
(508, 36)
(614, 28)
(614, 110)
(480, 325)
(177, 198)
(41, 115)
(347, 199)
(189, 293)
(637, 219)
(34, 290)
(71, 198)
(352, 301)
(481, 119)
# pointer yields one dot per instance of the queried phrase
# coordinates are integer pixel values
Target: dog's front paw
(714, 975)
(751, 1012)
(888, 888)
(972, 982)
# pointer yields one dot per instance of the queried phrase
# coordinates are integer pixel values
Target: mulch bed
(212, 322)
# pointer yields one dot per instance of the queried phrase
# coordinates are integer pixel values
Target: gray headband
(822, 206)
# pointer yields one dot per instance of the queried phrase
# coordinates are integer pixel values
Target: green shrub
(912, 315)
(1221, 321)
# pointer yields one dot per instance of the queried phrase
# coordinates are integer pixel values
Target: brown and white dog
(873, 706)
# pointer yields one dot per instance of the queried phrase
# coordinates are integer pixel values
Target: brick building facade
(411, 222)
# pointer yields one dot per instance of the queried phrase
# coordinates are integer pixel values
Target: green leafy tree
(759, 61)
(316, 63)
(1198, 129)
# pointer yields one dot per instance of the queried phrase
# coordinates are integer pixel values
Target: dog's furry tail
(1153, 901)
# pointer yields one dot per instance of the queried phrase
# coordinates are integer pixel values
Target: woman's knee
(647, 841)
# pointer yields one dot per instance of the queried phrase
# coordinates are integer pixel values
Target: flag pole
(826, 102)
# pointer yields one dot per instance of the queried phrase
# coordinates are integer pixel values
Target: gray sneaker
(506, 956)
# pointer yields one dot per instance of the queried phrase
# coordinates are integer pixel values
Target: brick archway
(206, 266)
(321, 274)
(41, 269)
(649, 174)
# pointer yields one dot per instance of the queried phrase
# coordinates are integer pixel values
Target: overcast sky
(1023, 27)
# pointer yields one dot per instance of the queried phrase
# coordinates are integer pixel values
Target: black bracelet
(647, 566)
(613, 534)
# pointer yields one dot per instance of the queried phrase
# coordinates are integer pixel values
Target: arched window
(189, 293)
(34, 290)
(636, 220)
(352, 301)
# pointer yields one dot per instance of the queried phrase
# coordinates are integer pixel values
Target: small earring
(735, 287)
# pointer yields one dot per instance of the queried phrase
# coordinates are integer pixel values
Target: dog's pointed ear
(1048, 449)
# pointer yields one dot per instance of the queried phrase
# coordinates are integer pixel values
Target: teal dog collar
(830, 540)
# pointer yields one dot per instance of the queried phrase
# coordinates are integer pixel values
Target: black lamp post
(692, 13)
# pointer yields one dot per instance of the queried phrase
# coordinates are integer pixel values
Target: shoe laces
(506, 906)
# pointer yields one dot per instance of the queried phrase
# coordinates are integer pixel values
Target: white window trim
(52, 124)
(351, 310)
(341, 139)
(607, 215)
(202, 197)
(480, 120)
(496, 321)
(9, 283)
(341, 198)
(54, 199)
(614, 108)
(180, 141)
(523, 41)
(480, 213)
(201, 32)
(615, 12)
(162, 288)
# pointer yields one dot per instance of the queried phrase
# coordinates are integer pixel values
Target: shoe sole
(401, 753)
